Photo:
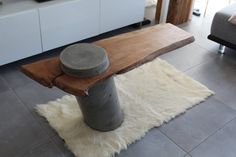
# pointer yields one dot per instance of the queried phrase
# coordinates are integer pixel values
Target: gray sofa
(222, 31)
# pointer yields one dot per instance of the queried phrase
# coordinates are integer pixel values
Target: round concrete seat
(100, 107)
(84, 60)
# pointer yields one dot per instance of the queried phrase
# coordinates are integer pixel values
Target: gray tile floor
(207, 130)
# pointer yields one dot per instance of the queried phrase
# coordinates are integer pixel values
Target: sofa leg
(221, 49)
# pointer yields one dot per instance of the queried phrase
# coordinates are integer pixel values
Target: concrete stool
(100, 107)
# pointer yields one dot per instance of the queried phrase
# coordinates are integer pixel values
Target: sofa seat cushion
(221, 27)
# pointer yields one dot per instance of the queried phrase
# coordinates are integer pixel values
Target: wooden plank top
(125, 52)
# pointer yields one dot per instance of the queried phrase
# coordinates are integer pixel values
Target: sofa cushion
(221, 28)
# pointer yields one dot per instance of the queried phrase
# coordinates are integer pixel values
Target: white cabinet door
(120, 13)
(69, 22)
(19, 36)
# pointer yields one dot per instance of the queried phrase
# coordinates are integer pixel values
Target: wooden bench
(125, 52)
(97, 95)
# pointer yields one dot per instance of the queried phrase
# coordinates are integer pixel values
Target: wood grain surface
(125, 52)
(179, 11)
(158, 11)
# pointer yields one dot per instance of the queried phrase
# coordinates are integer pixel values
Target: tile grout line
(172, 141)
(189, 154)
(51, 138)
(224, 104)
(213, 133)
(199, 64)
(41, 126)
(204, 47)
(195, 66)
(28, 109)
(7, 84)
(59, 148)
(223, 126)
(25, 106)
(38, 146)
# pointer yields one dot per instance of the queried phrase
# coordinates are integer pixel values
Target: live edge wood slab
(125, 52)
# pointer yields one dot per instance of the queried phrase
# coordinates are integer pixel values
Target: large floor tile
(200, 28)
(221, 144)
(153, 144)
(214, 73)
(45, 150)
(14, 77)
(33, 94)
(188, 56)
(19, 132)
(220, 76)
(193, 127)
(207, 44)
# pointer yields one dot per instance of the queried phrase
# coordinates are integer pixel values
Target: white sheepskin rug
(149, 95)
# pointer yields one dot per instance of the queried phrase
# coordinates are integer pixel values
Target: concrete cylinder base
(101, 109)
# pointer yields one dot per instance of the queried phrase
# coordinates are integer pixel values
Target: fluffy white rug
(149, 95)
(150, 3)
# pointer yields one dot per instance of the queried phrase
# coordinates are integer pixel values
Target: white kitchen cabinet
(19, 36)
(119, 13)
(28, 28)
(69, 22)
